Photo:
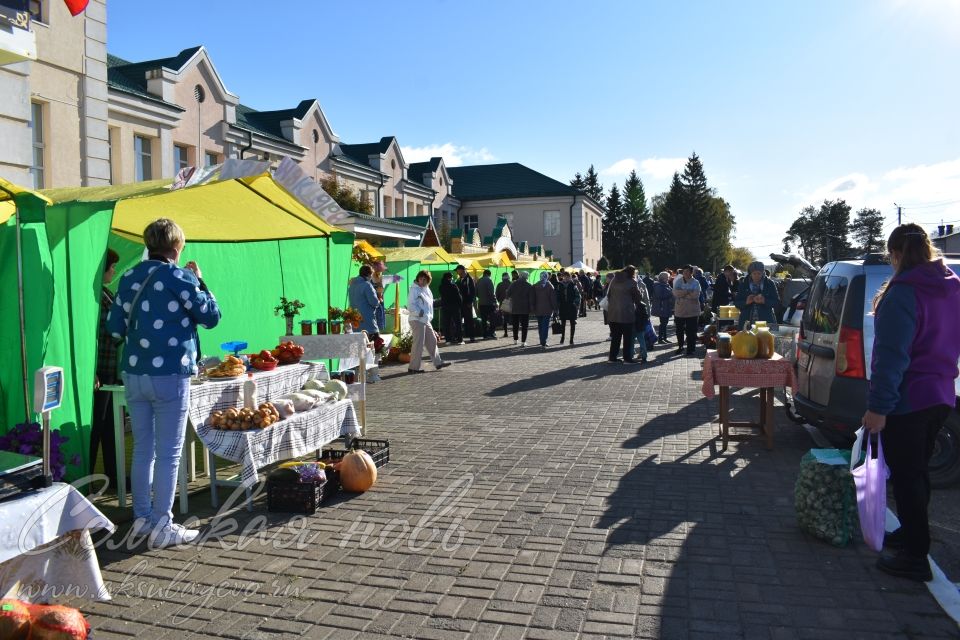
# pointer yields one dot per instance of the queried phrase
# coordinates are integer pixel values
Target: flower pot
(404, 357)
(289, 320)
(335, 328)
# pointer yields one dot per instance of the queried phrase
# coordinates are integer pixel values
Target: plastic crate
(301, 497)
(379, 450)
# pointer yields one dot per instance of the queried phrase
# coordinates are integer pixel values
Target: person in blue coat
(757, 297)
(156, 312)
(363, 298)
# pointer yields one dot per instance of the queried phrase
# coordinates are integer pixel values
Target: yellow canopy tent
(254, 241)
(368, 248)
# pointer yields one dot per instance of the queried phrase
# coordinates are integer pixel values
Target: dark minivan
(833, 357)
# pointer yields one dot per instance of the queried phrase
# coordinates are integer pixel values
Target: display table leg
(212, 463)
(725, 416)
(768, 418)
(119, 437)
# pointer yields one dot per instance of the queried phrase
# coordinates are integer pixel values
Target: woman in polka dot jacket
(156, 312)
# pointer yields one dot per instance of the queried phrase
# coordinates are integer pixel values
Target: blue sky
(786, 103)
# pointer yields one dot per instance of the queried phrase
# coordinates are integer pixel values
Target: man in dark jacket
(724, 288)
(486, 304)
(584, 281)
(501, 294)
(624, 295)
(468, 295)
(451, 304)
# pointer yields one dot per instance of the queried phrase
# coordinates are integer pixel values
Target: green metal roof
(509, 180)
(267, 123)
(388, 221)
(131, 77)
(362, 152)
(416, 170)
(423, 222)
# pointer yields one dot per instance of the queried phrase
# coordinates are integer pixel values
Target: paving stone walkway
(532, 494)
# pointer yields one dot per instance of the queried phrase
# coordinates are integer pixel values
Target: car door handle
(816, 350)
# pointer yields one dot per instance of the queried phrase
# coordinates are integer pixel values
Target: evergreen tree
(613, 228)
(578, 183)
(821, 234)
(867, 230)
(638, 220)
(670, 215)
(592, 185)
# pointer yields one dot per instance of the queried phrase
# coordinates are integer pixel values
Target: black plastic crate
(379, 450)
(301, 497)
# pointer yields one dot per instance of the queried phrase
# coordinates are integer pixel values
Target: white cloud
(620, 168)
(453, 155)
(928, 193)
(662, 168)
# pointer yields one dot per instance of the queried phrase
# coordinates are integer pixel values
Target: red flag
(76, 7)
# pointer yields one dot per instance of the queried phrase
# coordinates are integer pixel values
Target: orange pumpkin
(357, 471)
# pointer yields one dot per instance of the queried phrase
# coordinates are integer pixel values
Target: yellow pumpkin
(744, 345)
(357, 471)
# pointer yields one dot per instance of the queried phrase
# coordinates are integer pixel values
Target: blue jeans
(543, 326)
(640, 337)
(158, 415)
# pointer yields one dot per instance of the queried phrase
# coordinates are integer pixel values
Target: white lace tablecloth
(45, 546)
(298, 435)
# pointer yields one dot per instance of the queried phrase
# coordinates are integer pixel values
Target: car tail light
(850, 358)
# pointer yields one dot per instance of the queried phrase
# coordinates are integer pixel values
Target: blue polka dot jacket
(160, 335)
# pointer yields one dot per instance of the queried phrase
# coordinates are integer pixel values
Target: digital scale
(19, 472)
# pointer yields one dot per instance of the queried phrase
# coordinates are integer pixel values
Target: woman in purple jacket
(915, 352)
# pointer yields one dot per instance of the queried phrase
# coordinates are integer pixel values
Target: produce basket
(379, 450)
(301, 497)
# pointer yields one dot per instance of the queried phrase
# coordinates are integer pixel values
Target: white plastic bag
(870, 479)
(604, 303)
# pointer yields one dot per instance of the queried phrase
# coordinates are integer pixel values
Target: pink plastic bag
(871, 481)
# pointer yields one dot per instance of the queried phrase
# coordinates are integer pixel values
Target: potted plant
(336, 319)
(289, 309)
(351, 319)
(405, 345)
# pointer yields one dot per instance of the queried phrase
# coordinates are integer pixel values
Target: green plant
(405, 342)
(288, 308)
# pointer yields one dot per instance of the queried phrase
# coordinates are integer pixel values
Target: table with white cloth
(351, 348)
(45, 546)
(252, 449)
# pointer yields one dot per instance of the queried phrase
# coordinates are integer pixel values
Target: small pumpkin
(357, 471)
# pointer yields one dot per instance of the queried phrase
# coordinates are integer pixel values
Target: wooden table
(765, 375)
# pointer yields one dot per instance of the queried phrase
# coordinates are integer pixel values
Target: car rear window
(825, 304)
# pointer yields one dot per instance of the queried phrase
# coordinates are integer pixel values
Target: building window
(36, 128)
(181, 157)
(142, 158)
(471, 222)
(316, 136)
(210, 159)
(387, 206)
(551, 223)
(393, 164)
(36, 10)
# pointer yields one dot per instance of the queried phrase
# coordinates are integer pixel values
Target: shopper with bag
(520, 300)
(501, 295)
(544, 306)
(914, 365)
(420, 306)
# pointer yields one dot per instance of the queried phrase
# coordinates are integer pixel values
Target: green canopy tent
(253, 241)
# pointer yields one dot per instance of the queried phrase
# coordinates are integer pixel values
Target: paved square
(532, 494)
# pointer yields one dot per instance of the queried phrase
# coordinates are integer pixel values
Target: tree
(740, 257)
(867, 230)
(821, 234)
(603, 264)
(613, 228)
(345, 196)
(637, 220)
(592, 185)
(578, 183)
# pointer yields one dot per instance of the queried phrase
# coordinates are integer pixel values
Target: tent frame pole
(23, 329)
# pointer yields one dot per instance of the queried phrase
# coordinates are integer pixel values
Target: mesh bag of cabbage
(825, 497)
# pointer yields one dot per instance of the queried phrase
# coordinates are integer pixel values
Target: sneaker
(516, 343)
(171, 535)
(523, 344)
(903, 565)
(461, 342)
(442, 365)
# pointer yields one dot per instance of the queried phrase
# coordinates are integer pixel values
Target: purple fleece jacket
(916, 341)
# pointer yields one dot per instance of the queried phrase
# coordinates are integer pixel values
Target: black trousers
(687, 333)
(621, 332)
(452, 330)
(507, 322)
(466, 310)
(573, 329)
(521, 322)
(662, 329)
(486, 319)
(102, 435)
(908, 442)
